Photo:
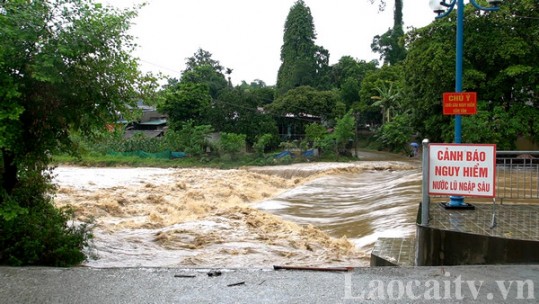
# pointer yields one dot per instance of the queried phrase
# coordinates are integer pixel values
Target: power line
(299, 118)
(161, 66)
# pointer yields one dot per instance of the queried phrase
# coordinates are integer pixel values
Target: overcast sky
(246, 35)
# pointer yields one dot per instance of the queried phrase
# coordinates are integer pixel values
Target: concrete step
(393, 252)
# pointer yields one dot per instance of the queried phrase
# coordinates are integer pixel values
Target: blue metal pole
(456, 201)
(458, 65)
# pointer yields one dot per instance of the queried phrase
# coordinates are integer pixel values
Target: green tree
(201, 68)
(390, 45)
(344, 131)
(315, 132)
(263, 94)
(379, 90)
(238, 111)
(505, 126)
(303, 63)
(64, 65)
(193, 96)
(348, 74)
(388, 99)
(186, 101)
(202, 58)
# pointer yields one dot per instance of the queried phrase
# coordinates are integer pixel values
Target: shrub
(396, 135)
(194, 138)
(232, 143)
(262, 142)
(314, 132)
(37, 233)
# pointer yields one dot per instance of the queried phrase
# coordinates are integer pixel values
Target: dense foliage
(240, 110)
(64, 65)
(306, 100)
(231, 144)
(187, 101)
(344, 132)
(34, 232)
(203, 96)
(348, 75)
(501, 64)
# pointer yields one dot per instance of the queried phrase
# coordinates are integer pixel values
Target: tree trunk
(9, 171)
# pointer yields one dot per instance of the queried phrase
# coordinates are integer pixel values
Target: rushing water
(361, 206)
(252, 217)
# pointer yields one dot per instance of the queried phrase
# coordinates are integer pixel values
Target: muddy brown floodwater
(318, 214)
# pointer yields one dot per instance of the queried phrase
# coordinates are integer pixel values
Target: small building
(151, 123)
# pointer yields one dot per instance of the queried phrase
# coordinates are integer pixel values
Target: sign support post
(425, 201)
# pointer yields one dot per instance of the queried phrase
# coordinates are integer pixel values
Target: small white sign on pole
(462, 169)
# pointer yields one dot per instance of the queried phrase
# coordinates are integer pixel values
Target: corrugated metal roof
(155, 122)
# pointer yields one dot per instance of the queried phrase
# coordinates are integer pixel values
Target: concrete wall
(443, 247)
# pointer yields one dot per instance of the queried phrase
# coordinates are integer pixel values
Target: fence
(517, 174)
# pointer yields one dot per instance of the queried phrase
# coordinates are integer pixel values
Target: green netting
(178, 154)
(142, 154)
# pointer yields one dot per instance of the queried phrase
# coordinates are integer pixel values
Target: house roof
(155, 122)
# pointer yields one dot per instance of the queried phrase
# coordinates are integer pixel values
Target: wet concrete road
(466, 284)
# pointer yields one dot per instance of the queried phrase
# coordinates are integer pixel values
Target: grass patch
(98, 160)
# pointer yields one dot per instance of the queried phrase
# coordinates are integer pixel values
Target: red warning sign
(464, 103)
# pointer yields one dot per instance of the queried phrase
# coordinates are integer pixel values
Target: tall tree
(303, 63)
(64, 65)
(201, 68)
(202, 57)
(192, 97)
(390, 45)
